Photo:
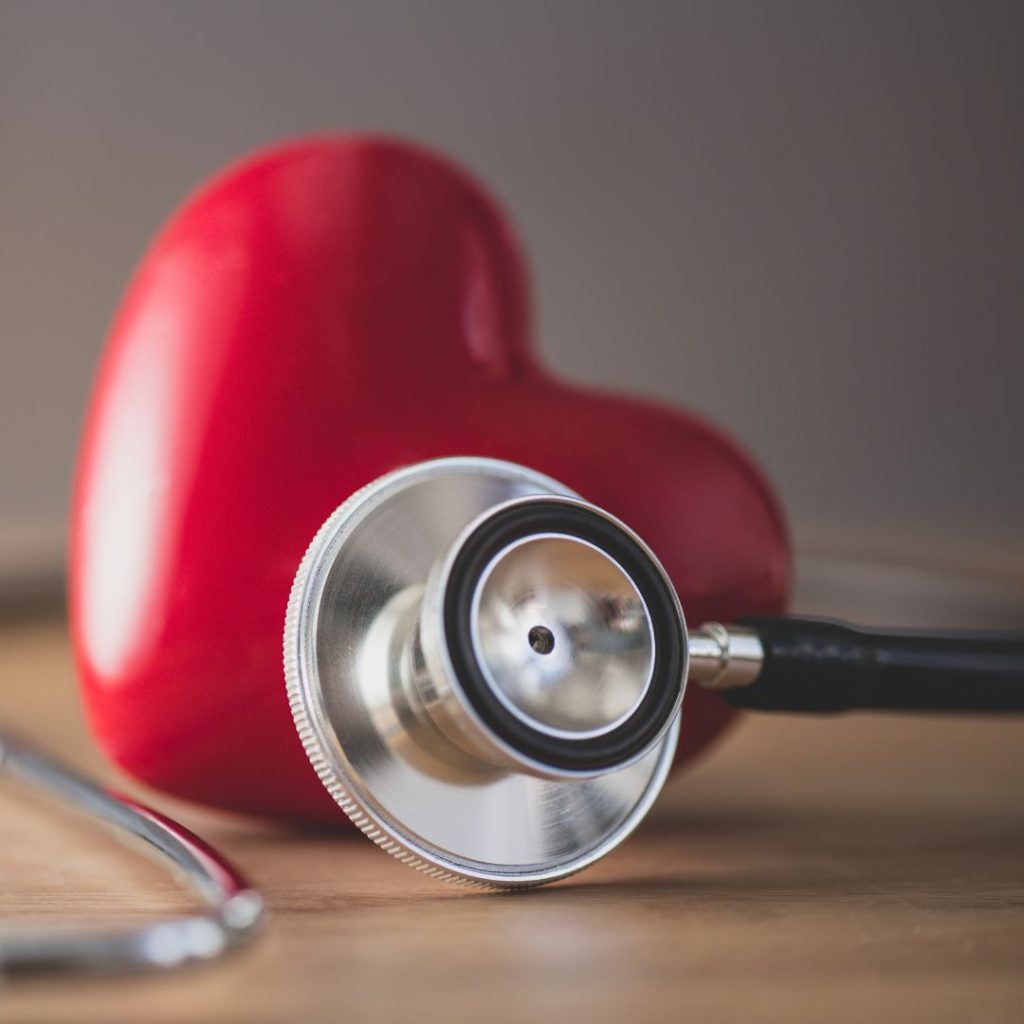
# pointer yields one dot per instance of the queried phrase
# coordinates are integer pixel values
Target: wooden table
(861, 868)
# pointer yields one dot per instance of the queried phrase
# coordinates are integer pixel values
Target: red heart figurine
(315, 317)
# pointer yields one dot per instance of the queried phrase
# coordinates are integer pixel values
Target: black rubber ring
(642, 727)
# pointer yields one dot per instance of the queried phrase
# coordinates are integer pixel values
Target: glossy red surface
(316, 316)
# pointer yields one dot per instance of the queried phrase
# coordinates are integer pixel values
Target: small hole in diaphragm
(541, 639)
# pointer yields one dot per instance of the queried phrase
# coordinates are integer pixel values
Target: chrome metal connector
(722, 658)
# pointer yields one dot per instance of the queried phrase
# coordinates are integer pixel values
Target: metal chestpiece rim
(412, 703)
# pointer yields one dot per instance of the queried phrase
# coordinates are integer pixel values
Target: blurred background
(804, 220)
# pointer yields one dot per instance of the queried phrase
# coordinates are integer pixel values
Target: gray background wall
(805, 220)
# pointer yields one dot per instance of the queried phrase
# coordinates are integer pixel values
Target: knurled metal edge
(332, 780)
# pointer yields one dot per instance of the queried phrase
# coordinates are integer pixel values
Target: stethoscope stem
(816, 665)
(234, 909)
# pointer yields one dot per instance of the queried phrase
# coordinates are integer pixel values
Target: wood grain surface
(858, 868)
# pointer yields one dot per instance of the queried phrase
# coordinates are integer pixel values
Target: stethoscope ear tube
(231, 917)
(818, 665)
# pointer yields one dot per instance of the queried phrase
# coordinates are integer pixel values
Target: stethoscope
(468, 640)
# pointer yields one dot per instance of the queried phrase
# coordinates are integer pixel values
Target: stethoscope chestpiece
(485, 670)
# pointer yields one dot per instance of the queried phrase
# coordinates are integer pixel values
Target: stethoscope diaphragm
(486, 671)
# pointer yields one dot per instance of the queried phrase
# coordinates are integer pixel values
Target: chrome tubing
(234, 910)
